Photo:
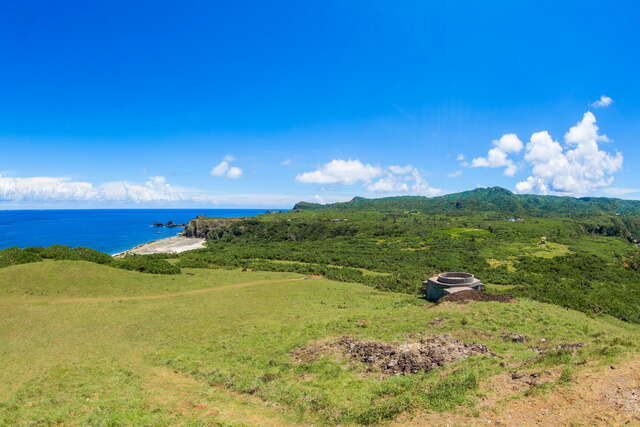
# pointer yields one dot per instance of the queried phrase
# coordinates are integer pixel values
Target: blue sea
(106, 230)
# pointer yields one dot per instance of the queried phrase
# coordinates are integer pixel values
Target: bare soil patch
(597, 396)
(463, 297)
(406, 358)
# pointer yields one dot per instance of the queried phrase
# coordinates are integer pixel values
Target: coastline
(168, 245)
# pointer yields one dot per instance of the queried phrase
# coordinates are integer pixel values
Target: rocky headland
(207, 228)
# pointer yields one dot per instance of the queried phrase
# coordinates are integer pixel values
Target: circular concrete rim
(456, 278)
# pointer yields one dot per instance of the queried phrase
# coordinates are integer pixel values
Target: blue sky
(202, 103)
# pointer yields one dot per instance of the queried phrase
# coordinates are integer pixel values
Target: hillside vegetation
(493, 199)
(590, 264)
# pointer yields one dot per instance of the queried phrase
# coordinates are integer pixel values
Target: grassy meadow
(88, 344)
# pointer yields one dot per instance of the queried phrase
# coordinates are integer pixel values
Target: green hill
(492, 200)
(85, 344)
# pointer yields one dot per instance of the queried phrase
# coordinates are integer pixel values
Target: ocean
(106, 230)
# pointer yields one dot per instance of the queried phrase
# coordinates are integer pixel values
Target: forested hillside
(495, 199)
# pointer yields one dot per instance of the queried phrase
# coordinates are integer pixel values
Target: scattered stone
(438, 321)
(266, 378)
(515, 375)
(463, 297)
(514, 337)
(571, 347)
(409, 358)
(406, 358)
(363, 323)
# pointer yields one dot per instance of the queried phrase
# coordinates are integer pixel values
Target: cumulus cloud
(498, 156)
(388, 184)
(401, 170)
(224, 168)
(392, 179)
(620, 191)
(64, 189)
(579, 167)
(34, 192)
(509, 143)
(604, 101)
(234, 172)
(341, 172)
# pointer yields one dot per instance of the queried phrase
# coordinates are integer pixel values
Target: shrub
(13, 256)
(145, 264)
(60, 252)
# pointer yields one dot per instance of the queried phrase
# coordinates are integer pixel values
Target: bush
(13, 256)
(145, 264)
(142, 263)
(60, 252)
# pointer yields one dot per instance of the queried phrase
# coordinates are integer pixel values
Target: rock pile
(409, 358)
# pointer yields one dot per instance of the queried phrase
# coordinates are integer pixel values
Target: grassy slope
(223, 356)
(85, 279)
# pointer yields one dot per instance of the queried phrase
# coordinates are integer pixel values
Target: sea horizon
(106, 230)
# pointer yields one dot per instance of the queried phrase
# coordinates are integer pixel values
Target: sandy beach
(175, 244)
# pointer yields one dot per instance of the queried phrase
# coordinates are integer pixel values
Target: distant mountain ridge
(492, 199)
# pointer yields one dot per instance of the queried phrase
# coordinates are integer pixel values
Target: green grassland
(82, 344)
(209, 337)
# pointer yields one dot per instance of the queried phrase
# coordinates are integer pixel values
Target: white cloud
(422, 187)
(497, 157)
(604, 101)
(578, 168)
(286, 162)
(220, 169)
(234, 172)
(38, 192)
(388, 184)
(393, 179)
(461, 160)
(224, 168)
(509, 143)
(341, 172)
(401, 170)
(619, 191)
(63, 189)
(455, 174)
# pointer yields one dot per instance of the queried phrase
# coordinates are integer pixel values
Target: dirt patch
(463, 297)
(596, 396)
(406, 358)
(205, 404)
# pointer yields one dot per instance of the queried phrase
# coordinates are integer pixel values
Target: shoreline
(167, 245)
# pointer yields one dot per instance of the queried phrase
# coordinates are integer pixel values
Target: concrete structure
(449, 283)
